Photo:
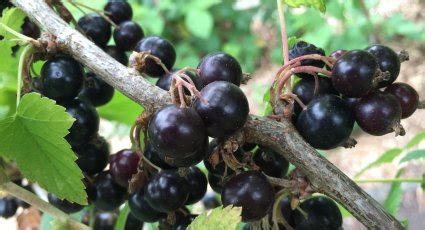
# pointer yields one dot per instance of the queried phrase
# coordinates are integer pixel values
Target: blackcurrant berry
(141, 209)
(378, 113)
(104, 221)
(216, 182)
(226, 109)
(197, 182)
(406, 96)
(96, 91)
(86, 122)
(30, 29)
(123, 165)
(219, 67)
(61, 78)
(177, 132)
(351, 102)
(248, 147)
(132, 223)
(210, 201)
(221, 168)
(117, 54)
(302, 48)
(326, 123)
(108, 195)
(271, 162)
(64, 205)
(181, 222)
(154, 158)
(388, 61)
(354, 73)
(287, 212)
(322, 213)
(159, 48)
(36, 85)
(93, 155)
(186, 161)
(164, 82)
(127, 35)
(8, 207)
(166, 191)
(118, 11)
(251, 191)
(96, 28)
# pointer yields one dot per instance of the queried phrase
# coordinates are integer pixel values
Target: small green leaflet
(414, 155)
(34, 138)
(393, 200)
(317, 4)
(386, 157)
(218, 219)
(122, 218)
(13, 18)
(416, 140)
(199, 22)
(121, 109)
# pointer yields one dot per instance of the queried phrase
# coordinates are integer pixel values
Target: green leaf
(292, 40)
(417, 154)
(393, 200)
(416, 140)
(121, 109)
(219, 218)
(122, 218)
(13, 18)
(34, 138)
(317, 4)
(199, 22)
(386, 157)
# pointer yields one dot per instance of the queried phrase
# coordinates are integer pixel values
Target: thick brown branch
(282, 137)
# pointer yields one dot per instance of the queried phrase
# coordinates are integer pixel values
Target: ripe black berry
(127, 35)
(166, 191)
(353, 74)
(388, 61)
(132, 223)
(210, 201)
(108, 195)
(159, 48)
(406, 96)
(186, 161)
(96, 28)
(216, 182)
(61, 78)
(117, 54)
(248, 147)
(219, 67)
(96, 91)
(227, 109)
(105, 221)
(251, 191)
(118, 11)
(164, 82)
(322, 213)
(182, 221)
(302, 48)
(93, 155)
(271, 162)
(30, 29)
(326, 123)
(378, 113)
(123, 165)
(64, 205)
(197, 182)
(221, 168)
(8, 207)
(154, 158)
(287, 212)
(351, 102)
(141, 209)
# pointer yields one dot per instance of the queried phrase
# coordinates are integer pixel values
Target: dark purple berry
(154, 157)
(108, 195)
(141, 209)
(96, 91)
(30, 29)
(186, 161)
(219, 67)
(210, 201)
(123, 165)
(64, 205)
(302, 48)
(221, 168)
(351, 102)
(132, 223)
(117, 54)
(8, 207)
(249, 146)
(105, 221)
(118, 11)
(96, 28)
(164, 82)
(271, 162)
(388, 61)
(93, 155)
(197, 182)
(406, 96)
(127, 35)
(216, 182)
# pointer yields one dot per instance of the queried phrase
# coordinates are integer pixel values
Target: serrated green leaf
(122, 218)
(416, 140)
(414, 155)
(13, 18)
(199, 22)
(34, 137)
(121, 109)
(393, 200)
(317, 4)
(292, 40)
(386, 157)
(218, 219)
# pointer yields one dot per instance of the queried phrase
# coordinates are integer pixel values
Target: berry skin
(406, 96)
(64, 205)
(388, 61)
(132, 223)
(353, 73)
(210, 201)
(96, 91)
(61, 78)
(105, 221)
(166, 191)
(117, 54)
(322, 213)
(118, 11)
(96, 28)
(251, 191)
(227, 109)
(326, 123)
(123, 165)
(8, 207)
(286, 210)
(108, 195)
(159, 48)
(86, 122)
(30, 29)
(177, 132)
(219, 67)
(140, 208)
(164, 82)
(220, 168)
(127, 35)
(197, 182)
(378, 113)
(186, 161)
(216, 182)
(302, 48)
(93, 155)
(351, 102)
(154, 158)
(271, 162)
(181, 222)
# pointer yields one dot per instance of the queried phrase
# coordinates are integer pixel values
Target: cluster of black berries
(360, 89)
(9, 205)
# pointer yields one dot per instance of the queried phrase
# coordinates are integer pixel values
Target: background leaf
(416, 140)
(417, 154)
(13, 18)
(122, 218)
(121, 109)
(393, 200)
(317, 4)
(219, 218)
(386, 157)
(199, 22)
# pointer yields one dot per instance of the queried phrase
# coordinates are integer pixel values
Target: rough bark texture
(280, 136)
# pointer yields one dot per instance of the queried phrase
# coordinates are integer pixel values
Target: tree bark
(280, 136)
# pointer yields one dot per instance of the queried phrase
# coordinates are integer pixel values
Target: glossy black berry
(326, 123)
(141, 209)
(30, 29)
(166, 191)
(127, 35)
(117, 54)
(61, 78)
(249, 147)
(221, 168)
(353, 74)
(159, 48)
(302, 48)
(378, 113)
(164, 82)
(197, 182)
(287, 212)
(186, 161)
(105, 221)
(270, 162)
(322, 214)
(153, 156)
(227, 109)
(108, 195)
(181, 222)
(216, 182)
(8, 207)
(93, 155)
(123, 165)
(96, 28)
(132, 223)
(210, 201)
(251, 191)
(351, 102)
(64, 205)
(86, 122)
(118, 11)
(388, 61)
(406, 96)
(177, 132)
(219, 67)
(96, 91)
